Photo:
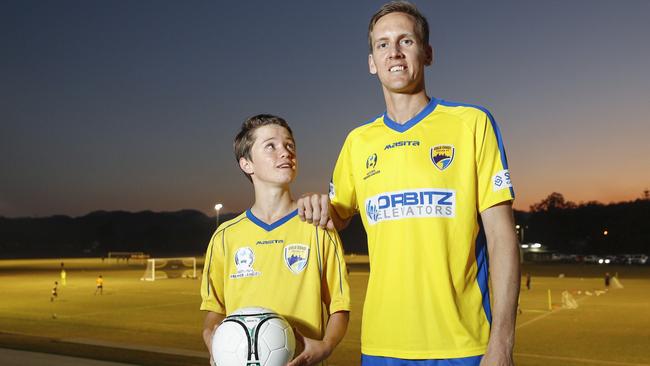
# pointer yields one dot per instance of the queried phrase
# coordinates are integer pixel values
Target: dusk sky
(133, 105)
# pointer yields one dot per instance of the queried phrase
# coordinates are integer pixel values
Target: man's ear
(371, 65)
(246, 165)
(428, 55)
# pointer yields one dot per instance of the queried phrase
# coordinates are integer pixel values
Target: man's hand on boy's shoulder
(314, 209)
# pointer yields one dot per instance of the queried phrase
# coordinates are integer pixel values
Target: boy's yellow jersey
(419, 188)
(291, 267)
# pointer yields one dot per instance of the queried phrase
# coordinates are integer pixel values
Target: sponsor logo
(266, 242)
(442, 156)
(401, 143)
(332, 191)
(244, 258)
(428, 202)
(296, 257)
(501, 180)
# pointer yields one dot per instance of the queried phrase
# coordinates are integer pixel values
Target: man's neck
(402, 107)
(272, 204)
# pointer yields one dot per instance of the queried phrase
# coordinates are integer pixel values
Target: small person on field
(55, 291)
(100, 285)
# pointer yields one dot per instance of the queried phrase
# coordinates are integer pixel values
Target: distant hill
(185, 232)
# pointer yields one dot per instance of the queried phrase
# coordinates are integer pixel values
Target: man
(431, 183)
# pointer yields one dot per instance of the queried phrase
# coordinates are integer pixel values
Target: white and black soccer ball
(253, 336)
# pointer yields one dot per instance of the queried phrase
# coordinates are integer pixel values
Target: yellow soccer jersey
(290, 266)
(419, 188)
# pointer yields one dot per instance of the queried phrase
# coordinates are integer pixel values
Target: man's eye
(407, 42)
(382, 45)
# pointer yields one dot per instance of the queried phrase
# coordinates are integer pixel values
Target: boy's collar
(270, 227)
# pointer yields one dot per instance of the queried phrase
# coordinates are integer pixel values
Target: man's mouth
(397, 68)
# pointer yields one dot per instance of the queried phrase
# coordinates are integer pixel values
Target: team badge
(244, 258)
(296, 257)
(442, 156)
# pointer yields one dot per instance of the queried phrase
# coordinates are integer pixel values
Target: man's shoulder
(367, 125)
(463, 110)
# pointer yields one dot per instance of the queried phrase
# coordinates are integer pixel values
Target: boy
(268, 257)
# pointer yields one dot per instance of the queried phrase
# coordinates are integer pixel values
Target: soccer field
(158, 323)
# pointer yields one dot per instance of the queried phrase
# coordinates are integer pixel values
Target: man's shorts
(389, 361)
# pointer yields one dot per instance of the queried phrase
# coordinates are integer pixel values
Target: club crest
(442, 156)
(296, 257)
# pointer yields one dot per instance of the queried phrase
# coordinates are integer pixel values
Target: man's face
(273, 157)
(398, 57)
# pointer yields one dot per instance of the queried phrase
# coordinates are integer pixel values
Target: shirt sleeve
(341, 191)
(212, 281)
(494, 183)
(335, 285)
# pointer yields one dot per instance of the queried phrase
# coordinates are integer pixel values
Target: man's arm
(315, 208)
(505, 277)
(315, 350)
(211, 322)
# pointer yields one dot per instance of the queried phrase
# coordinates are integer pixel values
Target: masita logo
(428, 202)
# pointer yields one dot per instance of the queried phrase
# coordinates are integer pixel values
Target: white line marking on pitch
(586, 360)
(547, 314)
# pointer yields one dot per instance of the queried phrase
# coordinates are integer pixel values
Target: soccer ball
(253, 336)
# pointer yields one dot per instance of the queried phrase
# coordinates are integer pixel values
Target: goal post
(162, 268)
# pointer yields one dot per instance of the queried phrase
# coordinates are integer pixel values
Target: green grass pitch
(159, 322)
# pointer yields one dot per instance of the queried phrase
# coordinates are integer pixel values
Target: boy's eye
(270, 146)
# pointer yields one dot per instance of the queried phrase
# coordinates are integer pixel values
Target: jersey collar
(413, 121)
(270, 227)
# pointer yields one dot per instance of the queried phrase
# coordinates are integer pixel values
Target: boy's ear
(246, 166)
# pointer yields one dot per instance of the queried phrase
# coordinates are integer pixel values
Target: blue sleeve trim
(495, 127)
(482, 271)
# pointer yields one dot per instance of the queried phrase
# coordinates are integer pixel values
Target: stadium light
(520, 232)
(218, 207)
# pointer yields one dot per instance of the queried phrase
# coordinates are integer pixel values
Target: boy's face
(273, 156)
(398, 58)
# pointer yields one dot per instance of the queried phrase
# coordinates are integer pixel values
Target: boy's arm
(315, 350)
(211, 322)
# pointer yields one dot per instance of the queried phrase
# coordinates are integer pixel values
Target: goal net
(616, 283)
(568, 301)
(161, 268)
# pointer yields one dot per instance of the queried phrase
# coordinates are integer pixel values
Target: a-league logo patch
(442, 156)
(244, 258)
(296, 257)
(371, 161)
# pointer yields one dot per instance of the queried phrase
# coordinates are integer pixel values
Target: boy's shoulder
(241, 218)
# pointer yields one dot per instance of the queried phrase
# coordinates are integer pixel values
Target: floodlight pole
(217, 208)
